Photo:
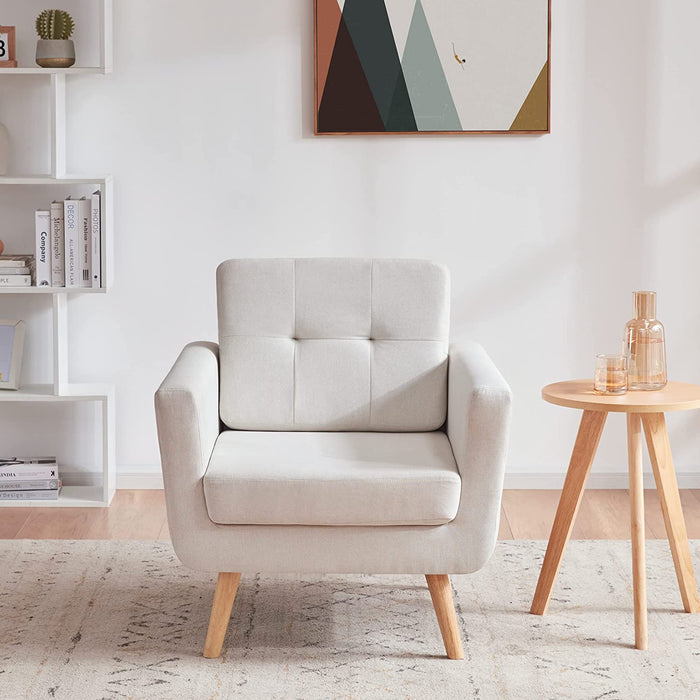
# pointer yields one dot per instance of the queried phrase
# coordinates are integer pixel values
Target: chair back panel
(333, 344)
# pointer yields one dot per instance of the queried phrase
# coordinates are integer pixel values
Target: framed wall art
(431, 66)
(7, 47)
(11, 347)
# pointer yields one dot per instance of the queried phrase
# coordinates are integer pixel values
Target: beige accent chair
(333, 430)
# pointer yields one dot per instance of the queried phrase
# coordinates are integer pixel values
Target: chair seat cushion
(303, 478)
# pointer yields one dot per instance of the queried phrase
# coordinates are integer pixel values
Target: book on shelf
(29, 485)
(4, 271)
(71, 228)
(82, 228)
(85, 218)
(43, 248)
(11, 461)
(96, 239)
(15, 280)
(27, 468)
(15, 260)
(29, 495)
(28, 472)
(58, 269)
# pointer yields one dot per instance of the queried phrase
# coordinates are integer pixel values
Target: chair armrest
(478, 422)
(187, 414)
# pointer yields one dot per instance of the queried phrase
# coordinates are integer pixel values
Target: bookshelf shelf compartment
(102, 182)
(70, 497)
(92, 36)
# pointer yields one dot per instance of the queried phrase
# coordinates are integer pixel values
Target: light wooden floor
(525, 515)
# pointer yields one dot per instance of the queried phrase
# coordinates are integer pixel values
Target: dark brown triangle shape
(347, 103)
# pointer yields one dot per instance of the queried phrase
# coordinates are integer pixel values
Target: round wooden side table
(643, 408)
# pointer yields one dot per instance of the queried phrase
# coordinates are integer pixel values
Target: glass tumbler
(610, 374)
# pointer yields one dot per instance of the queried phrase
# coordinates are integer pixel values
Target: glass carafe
(645, 345)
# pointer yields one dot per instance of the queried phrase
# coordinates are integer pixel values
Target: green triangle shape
(431, 99)
(370, 30)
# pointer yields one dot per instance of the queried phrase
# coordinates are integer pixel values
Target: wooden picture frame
(7, 48)
(336, 33)
(11, 348)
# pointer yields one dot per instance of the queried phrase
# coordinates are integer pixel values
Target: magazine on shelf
(12, 461)
(15, 280)
(34, 494)
(16, 266)
(4, 271)
(29, 485)
(15, 260)
(27, 468)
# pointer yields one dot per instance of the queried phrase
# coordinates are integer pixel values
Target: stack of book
(16, 270)
(69, 243)
(29, 478)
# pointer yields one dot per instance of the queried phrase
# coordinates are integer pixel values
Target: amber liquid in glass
(647, 361)
(610, 380)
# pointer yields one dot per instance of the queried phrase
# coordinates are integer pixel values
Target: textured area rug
(119, 619)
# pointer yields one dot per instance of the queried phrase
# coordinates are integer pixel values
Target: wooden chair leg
(585, 447)
(667, 488)
(441, 594)
(224, 595)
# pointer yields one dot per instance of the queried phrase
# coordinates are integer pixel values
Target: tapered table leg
(667, 488)
(634, 449)
(585, 447)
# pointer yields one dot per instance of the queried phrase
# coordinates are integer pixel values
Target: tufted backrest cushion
(333, 344)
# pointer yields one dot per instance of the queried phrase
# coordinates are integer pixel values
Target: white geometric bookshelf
(46, 392)
(61, 390)
(50, 180)
(50, 290)
(50, 71)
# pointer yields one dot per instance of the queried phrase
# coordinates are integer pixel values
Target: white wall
(206, 125)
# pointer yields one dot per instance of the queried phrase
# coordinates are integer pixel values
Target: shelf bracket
(58, 125)
(109, 478)
(60, 343)
(106, 35)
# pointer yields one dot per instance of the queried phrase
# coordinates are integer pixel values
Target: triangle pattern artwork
(431, 66)
(347, 103)
(533, 115)
(427, 85)
(327, 23)
(370, 30)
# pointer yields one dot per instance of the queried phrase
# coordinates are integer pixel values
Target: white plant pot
(55, 53)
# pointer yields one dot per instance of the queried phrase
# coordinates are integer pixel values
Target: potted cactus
(55, 48)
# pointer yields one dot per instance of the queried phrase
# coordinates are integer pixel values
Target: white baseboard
(140, 480)
(606, 480)
(125, 480)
